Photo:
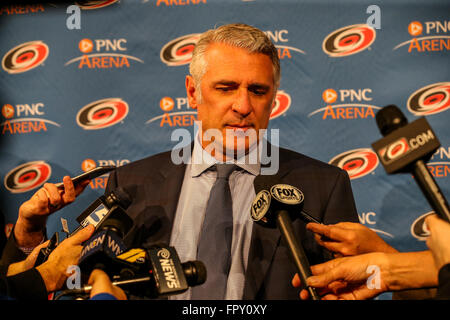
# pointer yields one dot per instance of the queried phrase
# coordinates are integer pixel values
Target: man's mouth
(238, 127)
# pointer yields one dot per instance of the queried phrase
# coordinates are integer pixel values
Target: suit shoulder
(293, 160)
(149, 163)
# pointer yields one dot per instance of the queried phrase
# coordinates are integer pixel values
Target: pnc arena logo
(25, 57)
(428, 36)
(439, 164)
(281, 104)
(94, 4)
(24, 118)
(178, 52)
(280, 40)
(102, 113)
(346, 104)
(430, 99)
(100, 182)
(21, 9)
(357, 162)
(176, 113)
(349, 40)
(103, 54)
(369, 220)
(27, 176)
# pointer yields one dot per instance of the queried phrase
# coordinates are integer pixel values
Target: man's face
(237, 91)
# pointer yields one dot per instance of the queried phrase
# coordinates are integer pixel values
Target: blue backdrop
(113, 91)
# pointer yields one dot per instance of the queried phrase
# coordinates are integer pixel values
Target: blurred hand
(54, 270)
(33, 213)
(439, 240)
(101, 283)
(28, 263)
(348, 239)
(346, 278)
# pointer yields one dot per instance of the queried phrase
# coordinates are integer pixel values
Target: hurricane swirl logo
(419, 228)
(281, 104)
(92, 4)
(102, 113)
(357, 162)
(349, 40)
(27, 176)
(179, 51)
(431, 99)
(25, 57)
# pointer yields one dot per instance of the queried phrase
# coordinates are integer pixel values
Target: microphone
(405, 148)
(270, 208)
(156, 272)
(106, 243)
(102, 208)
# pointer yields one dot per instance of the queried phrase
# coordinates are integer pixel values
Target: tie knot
(224, 170)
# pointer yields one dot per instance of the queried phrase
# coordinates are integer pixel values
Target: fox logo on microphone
(260, 206)
(287, 194)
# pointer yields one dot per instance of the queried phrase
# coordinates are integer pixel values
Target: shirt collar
(203, 160)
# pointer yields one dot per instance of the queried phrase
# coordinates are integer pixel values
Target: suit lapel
(170, 191)
(162, 196)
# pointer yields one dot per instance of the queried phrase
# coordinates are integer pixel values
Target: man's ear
(191, 92)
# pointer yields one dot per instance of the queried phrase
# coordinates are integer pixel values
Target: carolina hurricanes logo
(431, 99)
(27, 176)
(419, 229)
(281, 104)
(357, 162)
(179, 51)
(102, 113)
(92, 4)
(25, 57)
(394, 150)
(349, 40)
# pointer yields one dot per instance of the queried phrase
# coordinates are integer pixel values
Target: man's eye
(224, 89)
(259, 91)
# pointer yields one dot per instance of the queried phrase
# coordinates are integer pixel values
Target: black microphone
(106, 243)
(102, 208)
(273, 207)
(156, 272)
(405, 148)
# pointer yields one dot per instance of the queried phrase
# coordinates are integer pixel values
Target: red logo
(357, 162)
(349, 40)
(179, 51)
(281, 104)
(27, 176)
(394, 150)
(431, 99)
(92, 4)
(101, 114)
(25, 57)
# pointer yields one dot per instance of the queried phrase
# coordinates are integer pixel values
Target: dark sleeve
(341, 204)
(11, 252)
(27, 285)
(444, 283)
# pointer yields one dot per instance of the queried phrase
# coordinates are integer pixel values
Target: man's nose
(242, 104)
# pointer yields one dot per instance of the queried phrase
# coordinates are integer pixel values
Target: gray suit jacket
(154, 184)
